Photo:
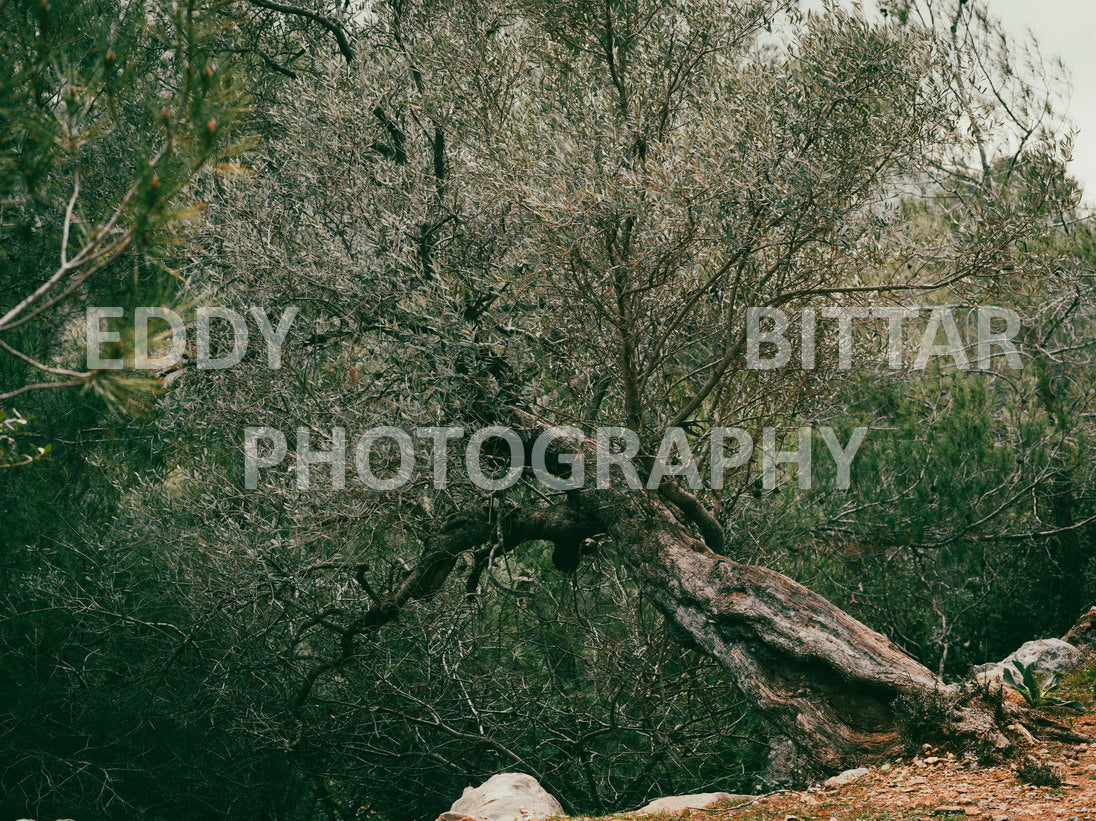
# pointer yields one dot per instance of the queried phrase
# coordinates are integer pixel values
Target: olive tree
(558, 213)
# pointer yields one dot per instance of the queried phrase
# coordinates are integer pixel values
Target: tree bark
(1071, 559)
(830, 686)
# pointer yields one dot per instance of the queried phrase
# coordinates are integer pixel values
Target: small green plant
(1082, 680)
(1035, 690)
(921, 715)
(1037, 772)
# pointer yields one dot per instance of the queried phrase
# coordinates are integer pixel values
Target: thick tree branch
(336, 30)
(560, 524)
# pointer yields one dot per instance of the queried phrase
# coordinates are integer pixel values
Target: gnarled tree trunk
(836, 693)
(829, 685)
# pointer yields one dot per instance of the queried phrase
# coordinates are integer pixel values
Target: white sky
(1066, 29)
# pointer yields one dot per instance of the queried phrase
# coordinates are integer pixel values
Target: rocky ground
(936, 786)
(1042, 782)
(933, 789)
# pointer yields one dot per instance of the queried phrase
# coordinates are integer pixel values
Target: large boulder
(504, 797)
(1045, 656)
(696, 801)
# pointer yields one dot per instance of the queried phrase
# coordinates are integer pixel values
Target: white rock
(990, 675)
(697, 801)
(504, 797)
(847, 777)
(1047, 656)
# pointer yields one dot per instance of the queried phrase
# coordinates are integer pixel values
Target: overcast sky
(1066, 28)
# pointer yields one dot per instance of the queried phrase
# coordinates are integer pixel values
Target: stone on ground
(1045, 656)
(504, 797)
(847, 777)
(696, 801)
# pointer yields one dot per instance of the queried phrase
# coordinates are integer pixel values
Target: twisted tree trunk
(836, 693)
(831, 687)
